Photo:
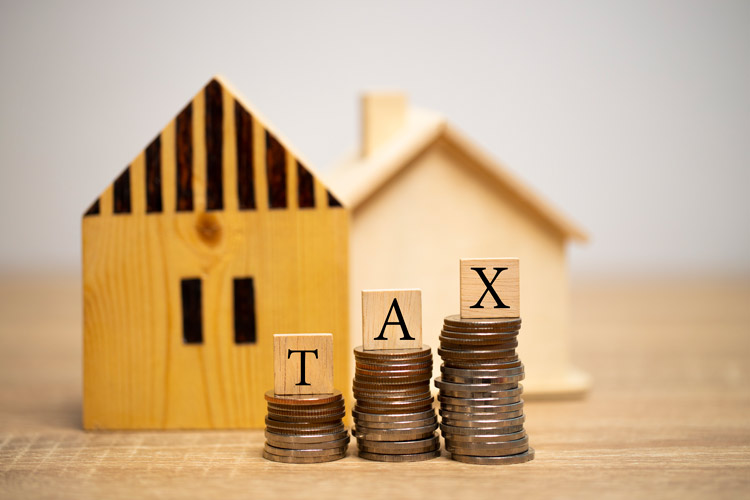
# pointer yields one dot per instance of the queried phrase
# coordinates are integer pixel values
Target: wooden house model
(422, 196)
(215, 237)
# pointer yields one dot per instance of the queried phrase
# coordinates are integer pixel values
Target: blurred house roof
(360, 176)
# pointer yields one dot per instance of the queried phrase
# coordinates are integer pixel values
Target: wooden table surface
(669, 415)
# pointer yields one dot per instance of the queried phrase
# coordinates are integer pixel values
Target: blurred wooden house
(421, 196)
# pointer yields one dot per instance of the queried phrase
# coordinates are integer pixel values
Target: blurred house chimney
(383, 115)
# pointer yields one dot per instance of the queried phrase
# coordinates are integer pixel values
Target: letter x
(489, 288)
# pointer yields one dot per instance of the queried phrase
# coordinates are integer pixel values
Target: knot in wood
(209, 229)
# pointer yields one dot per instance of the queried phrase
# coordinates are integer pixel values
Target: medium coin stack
(394, 416)
(479, 392)
(305, 429)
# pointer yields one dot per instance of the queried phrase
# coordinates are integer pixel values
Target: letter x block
(490, 288)
(303, 364)
(391, 319)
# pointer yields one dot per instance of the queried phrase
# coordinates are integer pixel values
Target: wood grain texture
(139, 371)
(490, 288)
(382, 315)
(669, 416)
(303, 363)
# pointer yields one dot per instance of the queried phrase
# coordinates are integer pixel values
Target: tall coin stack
(479, 392)
(394, 416)
(305, 429)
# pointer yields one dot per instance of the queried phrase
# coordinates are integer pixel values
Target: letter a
(400, 322)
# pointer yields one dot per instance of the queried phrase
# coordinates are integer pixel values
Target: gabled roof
(196, 143)
(358, 178)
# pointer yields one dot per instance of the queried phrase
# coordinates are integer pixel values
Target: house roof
(357, 178)
(218, 82)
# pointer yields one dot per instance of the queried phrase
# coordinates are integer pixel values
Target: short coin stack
(480, 396)
(305, 429)
(394, 416)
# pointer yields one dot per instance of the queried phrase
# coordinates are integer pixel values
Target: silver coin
(396, 390)
(475, 354)
(405, 366)
(486, 438)
(306, 431)
(303, 399)
(399, 417)
(514, 379)
(393, 354)
(393, 409)
(471, 395)
(482, 408)
(293, 440)
(396, 383)
(283, 452)
(362, 425)
(483, 364)
(338, 443)
(302, 460)
(476, 339)
(485, 424)
(431, 443)
(480, 416)
(395, 406)
(414, 457)
(526, 456)
(307, 410)
(467, 345)
(486, 449)
(307, 418)
(385, 394)
(450, 386)
(458, 372)
(500, 324)
(300, 425)
(363, 399)
(400, 435)
(449, 400)
(449, 430)
(487, 453)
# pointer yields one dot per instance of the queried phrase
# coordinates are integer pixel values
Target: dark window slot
(244, 311)
(192, 317)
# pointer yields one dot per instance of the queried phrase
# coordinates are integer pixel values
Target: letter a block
(391, 319)
(490, 288)
(303, 364)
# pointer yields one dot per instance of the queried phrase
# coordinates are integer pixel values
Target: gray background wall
(633, 117)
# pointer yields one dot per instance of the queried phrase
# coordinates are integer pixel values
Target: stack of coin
(480, 396)
(394, 416)
(305, 429)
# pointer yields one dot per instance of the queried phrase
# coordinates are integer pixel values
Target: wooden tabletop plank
(669, 414)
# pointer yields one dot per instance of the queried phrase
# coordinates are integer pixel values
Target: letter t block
(391, 319)
(303, 364)
(490, 288)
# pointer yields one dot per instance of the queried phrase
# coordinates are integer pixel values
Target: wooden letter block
(391, 319)
(490, 288)
(303, 364)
